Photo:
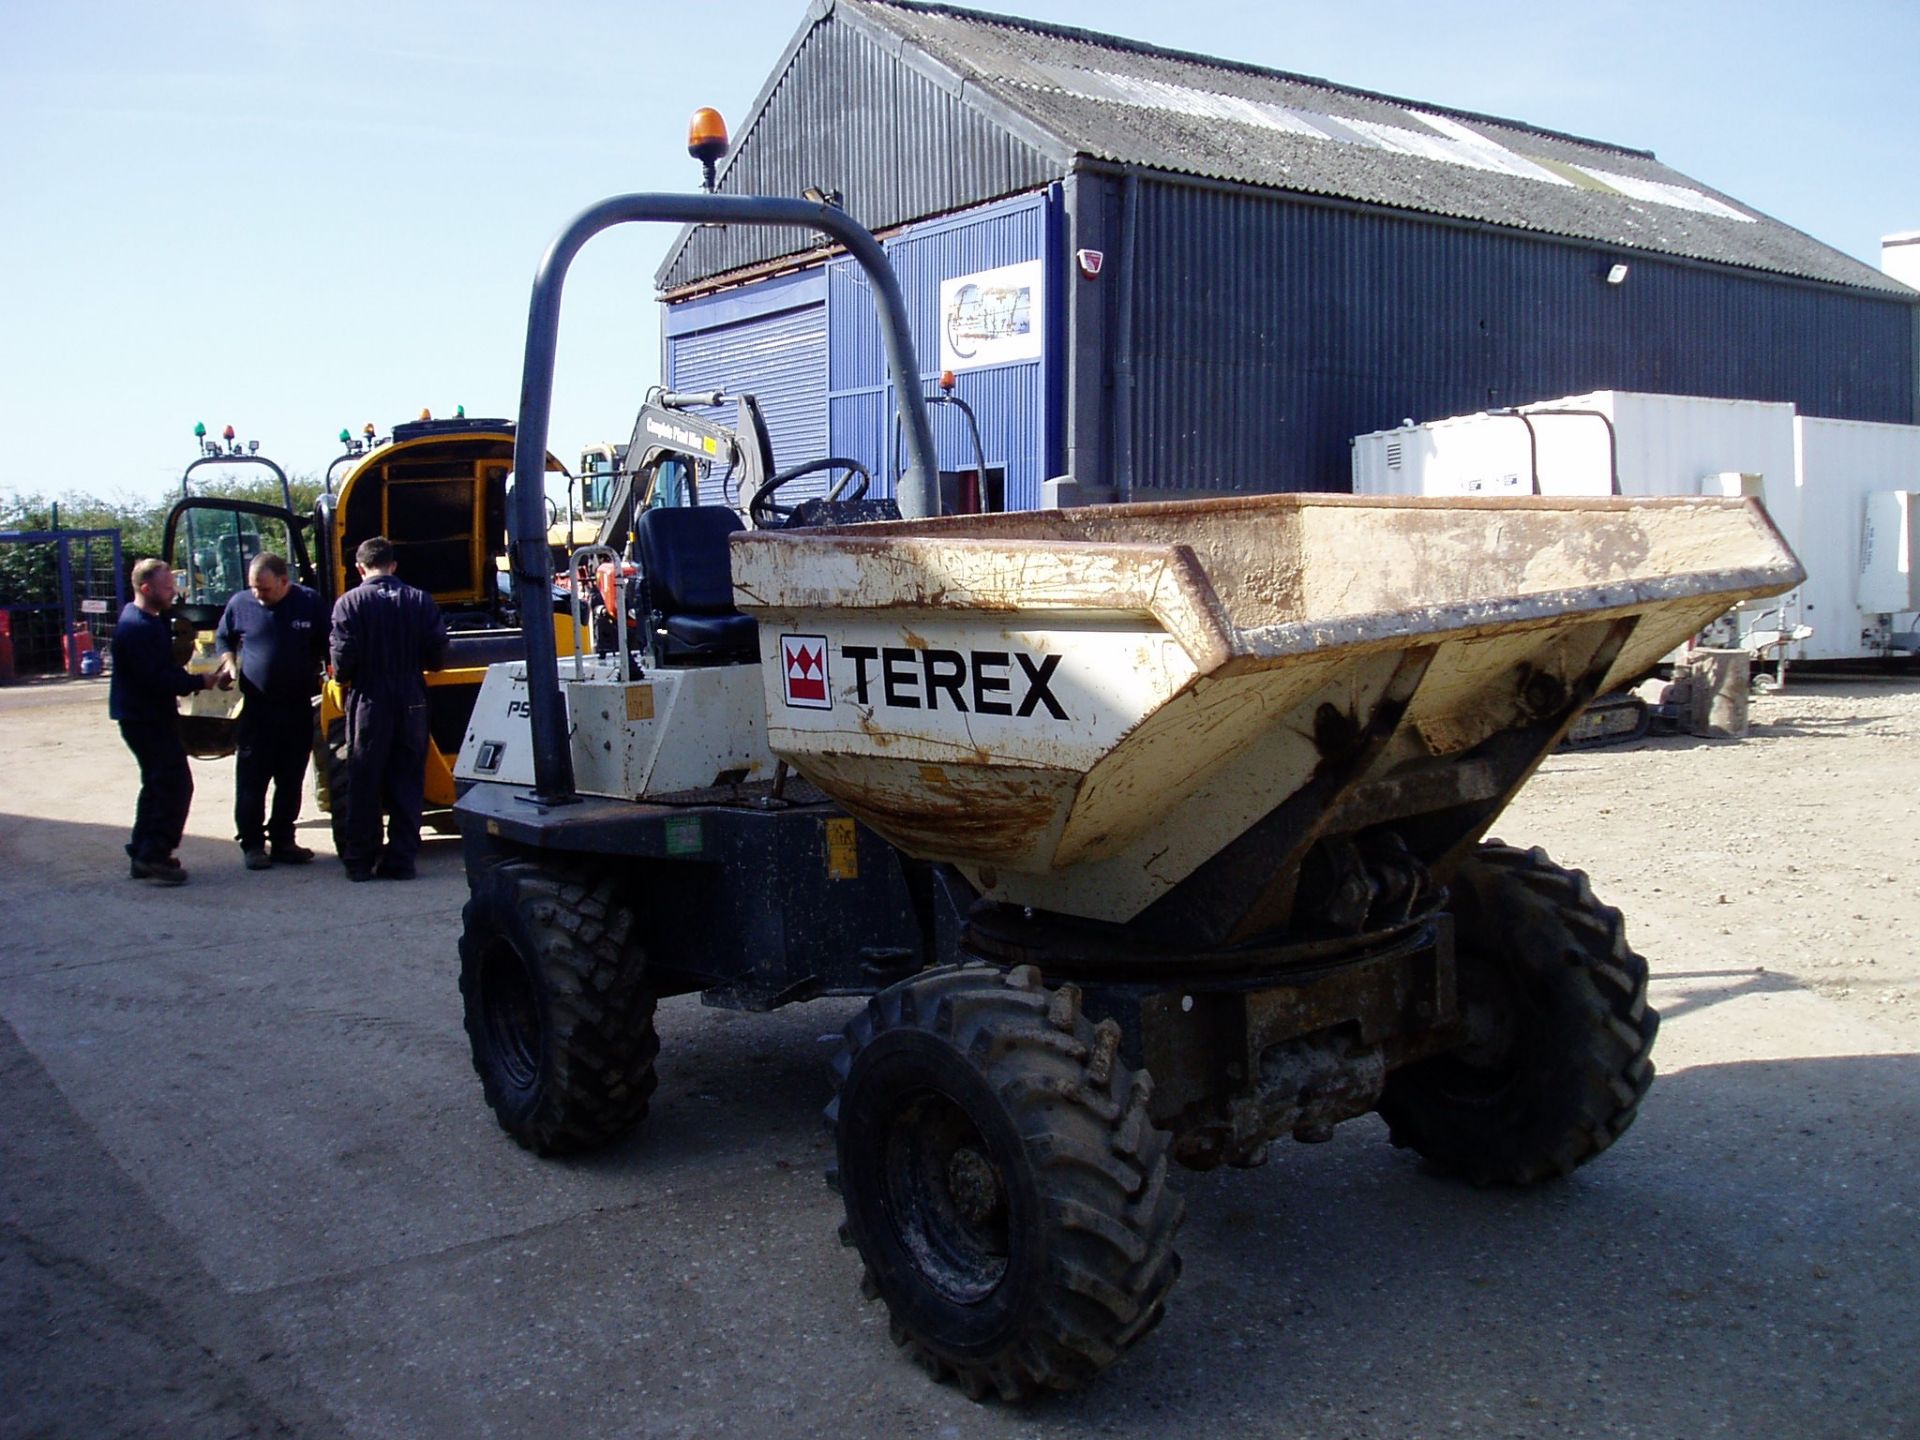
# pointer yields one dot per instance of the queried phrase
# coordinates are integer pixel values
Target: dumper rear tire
(558, 1013)
(1560, 1032)
(1002, 1181)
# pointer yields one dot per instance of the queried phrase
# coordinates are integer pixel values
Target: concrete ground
(248, 1186)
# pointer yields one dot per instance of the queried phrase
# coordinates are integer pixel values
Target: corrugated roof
(1080, 93)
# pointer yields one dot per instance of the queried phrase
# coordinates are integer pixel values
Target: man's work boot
(159, 872)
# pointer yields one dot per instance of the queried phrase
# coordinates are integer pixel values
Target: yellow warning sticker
(639, 702)
(843, 851)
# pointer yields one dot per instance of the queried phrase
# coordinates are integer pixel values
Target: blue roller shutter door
(781, 359)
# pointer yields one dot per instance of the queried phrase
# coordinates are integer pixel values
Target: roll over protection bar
(919, 492)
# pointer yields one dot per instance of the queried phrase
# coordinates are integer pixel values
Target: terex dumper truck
(1154, 833)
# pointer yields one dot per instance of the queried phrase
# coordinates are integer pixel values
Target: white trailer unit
(1859, 502)
(1825, 483)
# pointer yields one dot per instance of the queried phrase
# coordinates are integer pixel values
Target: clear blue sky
(291, 216)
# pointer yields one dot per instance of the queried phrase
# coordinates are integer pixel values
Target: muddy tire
(558, 1013)
(1560, 1032)
(1002, 1182)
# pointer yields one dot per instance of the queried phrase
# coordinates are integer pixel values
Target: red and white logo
(803, 666)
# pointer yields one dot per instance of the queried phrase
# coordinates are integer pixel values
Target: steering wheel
(765, 511)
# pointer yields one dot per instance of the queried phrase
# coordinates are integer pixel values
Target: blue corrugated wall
(1269, 332)
(1018, 417)
(812, 343)
(769, 340)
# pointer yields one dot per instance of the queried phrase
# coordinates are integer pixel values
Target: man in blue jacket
(275, 634)
(143, 695)
(385, 635)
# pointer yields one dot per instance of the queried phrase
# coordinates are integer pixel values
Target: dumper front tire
(557, 1009)
(1002, 1181)
(1560, 1032)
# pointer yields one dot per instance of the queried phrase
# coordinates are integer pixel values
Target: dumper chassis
(1007, 1106)
(1027, 1069)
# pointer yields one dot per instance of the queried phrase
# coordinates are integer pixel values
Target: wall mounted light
(1616, 274)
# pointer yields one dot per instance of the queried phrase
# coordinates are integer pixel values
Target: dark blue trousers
(166, 788)
(274, 741)
(386, 770)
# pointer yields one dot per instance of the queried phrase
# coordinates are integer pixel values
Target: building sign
(992, 317)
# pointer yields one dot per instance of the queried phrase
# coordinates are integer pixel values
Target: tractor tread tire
(590, 1074)
(1107, 1214)
(1577, 1073)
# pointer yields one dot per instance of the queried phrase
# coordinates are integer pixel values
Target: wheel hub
(512, 1012)
(974, 1186)
(946, 1198)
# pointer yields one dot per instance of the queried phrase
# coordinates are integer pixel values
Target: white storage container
(1842, 464)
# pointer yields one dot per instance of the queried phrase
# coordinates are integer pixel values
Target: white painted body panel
(1889, 581)
(669, 732)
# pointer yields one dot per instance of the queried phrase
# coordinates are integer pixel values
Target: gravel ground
(1790, 853)
(248, 1188)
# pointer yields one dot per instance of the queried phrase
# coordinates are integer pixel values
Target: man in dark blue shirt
(275, 634)
(143, 695)
(385, 635)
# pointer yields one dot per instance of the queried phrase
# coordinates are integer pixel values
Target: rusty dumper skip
(1154, 833)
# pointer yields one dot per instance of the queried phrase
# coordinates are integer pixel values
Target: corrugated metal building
(1159, 272)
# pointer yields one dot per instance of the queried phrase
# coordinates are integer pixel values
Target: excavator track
(1610, 720)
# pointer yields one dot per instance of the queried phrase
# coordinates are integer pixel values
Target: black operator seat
(683, 555)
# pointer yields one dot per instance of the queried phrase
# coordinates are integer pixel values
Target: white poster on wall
(991, 317)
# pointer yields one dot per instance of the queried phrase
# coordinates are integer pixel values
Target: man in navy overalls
(275, 634)
(386, 634)
(143, 696)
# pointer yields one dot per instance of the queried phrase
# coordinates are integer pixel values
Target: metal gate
(61, 592)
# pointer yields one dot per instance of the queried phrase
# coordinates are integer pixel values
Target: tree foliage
(29, 572)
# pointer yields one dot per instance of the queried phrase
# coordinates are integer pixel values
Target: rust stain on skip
(879, 735)
(993, 821)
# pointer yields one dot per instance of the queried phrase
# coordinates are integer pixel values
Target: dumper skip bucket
(1080, 707)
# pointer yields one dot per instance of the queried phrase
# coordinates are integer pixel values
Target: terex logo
(916, 679)
(803, 665)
